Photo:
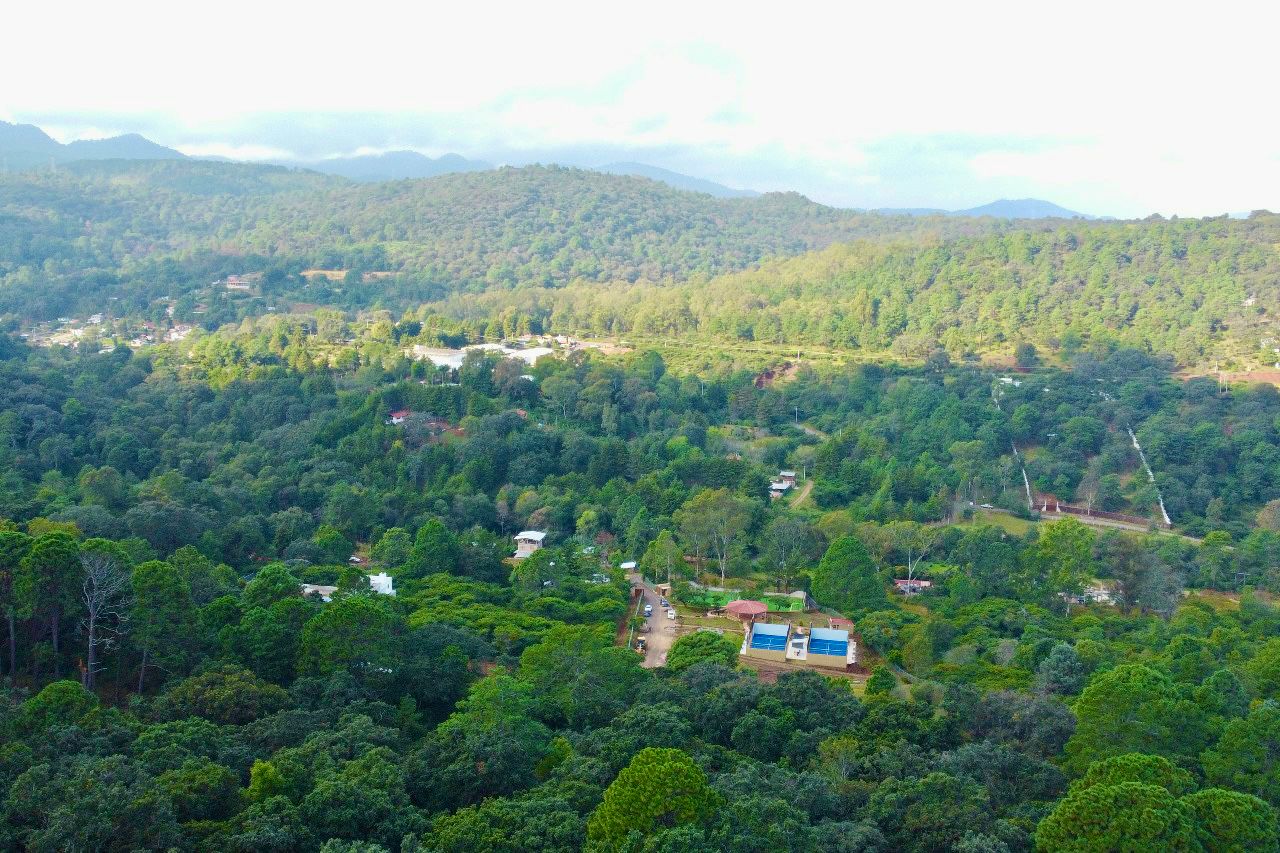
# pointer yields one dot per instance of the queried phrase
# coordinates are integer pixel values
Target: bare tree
(714, 519)
(1090, 485)
(907, 539)
(105, 596)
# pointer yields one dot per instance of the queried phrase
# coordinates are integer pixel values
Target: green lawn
(1009, 523)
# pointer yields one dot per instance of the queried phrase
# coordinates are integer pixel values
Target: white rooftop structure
(528, 541)
(381, 583)
(452, 358)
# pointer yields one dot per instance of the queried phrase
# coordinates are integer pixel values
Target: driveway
(662, 631)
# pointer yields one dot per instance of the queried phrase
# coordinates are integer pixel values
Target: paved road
(662, 631)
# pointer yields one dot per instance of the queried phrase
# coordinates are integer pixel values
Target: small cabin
(778, 488)
(398, 417)
(788, 477)
(528, 541)
(911, 586)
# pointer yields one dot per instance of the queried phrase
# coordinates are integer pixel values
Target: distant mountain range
(23, 146)
(401, 165)
(1005, 208)
(675, 179)
(391, 166)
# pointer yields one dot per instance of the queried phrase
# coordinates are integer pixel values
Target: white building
(452, 358)
(528, 541)
(380, 583)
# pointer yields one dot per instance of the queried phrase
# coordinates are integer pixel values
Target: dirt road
(800, 496)
(661, 631)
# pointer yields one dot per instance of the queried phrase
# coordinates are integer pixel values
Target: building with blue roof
(766, 641)
(830, 647)
(823, 647)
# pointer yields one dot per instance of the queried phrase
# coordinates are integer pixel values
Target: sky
(1109, 108)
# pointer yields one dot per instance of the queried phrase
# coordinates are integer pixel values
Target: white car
(671, 614)
(648, 610)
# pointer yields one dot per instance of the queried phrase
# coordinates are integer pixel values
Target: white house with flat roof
(528, 541)
(381, 583)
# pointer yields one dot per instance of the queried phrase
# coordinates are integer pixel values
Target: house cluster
(381, 583)
(452, 358)
(1096, 592)
(830, 648)
(785, 481)
(241, 283)
(433, 426)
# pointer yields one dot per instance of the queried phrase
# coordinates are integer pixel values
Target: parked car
(665, 603)
(671, 614)
(648, 610)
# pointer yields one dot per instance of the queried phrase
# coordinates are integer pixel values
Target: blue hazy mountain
(1005, 208)
(675, 179)
(1021, 208)
(23, 146)
(393, 166)
(130, 146)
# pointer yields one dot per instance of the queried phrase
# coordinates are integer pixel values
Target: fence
(1049, 504)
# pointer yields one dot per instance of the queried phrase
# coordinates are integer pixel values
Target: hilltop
(1200, 290)
(676, 179)
(1023, 208)
(391, 166)
(23, 146)
(103, 222)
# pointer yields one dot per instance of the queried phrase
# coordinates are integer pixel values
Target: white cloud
(233, 151)
(1152, 91)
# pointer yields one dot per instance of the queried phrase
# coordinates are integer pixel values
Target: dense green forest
(583, 252)
(170, 686)
(195, 656)
(142, 231)
(1199, 290)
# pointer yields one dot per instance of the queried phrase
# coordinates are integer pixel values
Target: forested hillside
(142, 231)
(578, 251)
(169, 685)
(1194, 289)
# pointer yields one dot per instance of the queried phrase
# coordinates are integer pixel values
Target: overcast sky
(1113, 108)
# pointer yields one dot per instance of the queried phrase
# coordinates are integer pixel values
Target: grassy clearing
(1010, 524)
(707, 599)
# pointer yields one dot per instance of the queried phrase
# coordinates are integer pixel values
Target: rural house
(528, 541)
